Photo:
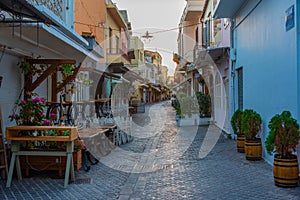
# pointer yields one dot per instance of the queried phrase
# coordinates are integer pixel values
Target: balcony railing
(197, 49)
(56, 6)
(114, 51)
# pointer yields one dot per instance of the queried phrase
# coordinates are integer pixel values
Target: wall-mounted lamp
(1, 78)
(101, 24)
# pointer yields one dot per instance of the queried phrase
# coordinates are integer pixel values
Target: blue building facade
(264, 57)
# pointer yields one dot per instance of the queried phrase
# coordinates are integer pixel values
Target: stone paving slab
(165, 172)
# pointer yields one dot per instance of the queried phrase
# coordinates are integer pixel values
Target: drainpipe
(298, 65)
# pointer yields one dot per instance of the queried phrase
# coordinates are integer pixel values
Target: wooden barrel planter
(253, 149)
(286, 171)
(240, 143)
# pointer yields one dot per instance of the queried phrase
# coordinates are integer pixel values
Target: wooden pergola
(52, 69)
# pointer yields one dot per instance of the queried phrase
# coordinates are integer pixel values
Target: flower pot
(286, 171)
(240, 143)
(253, 149)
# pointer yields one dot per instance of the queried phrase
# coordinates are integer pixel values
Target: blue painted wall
(268, 55)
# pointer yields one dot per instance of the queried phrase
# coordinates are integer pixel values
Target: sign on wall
(290, 18)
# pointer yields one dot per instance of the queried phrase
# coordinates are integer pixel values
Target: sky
(154, 16)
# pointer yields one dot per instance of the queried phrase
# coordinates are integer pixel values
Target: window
(240, 88)
(206, 33)
(117, 45)
(197, 36)
(110, 40)
(218, 91)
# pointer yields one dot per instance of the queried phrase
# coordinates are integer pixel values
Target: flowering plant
(31, 112)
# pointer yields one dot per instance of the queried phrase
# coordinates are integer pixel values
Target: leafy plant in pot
(236, 120)
(250, 127)
(282, 139)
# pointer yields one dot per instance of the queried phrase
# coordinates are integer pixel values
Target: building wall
(137, 46)
(188, 39)
(90, 18)
(11, 86)
(164, 73)
(268, 55)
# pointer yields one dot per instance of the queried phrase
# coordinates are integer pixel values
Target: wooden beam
(69, 78)
(27, 83)
(54, 87)
(51, 61)
(42, 77)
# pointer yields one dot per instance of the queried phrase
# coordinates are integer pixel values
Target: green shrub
(236, 121)
(283, 135)
(250, 124)
(204, 103)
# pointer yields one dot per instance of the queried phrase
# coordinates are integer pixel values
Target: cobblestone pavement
(162, 162)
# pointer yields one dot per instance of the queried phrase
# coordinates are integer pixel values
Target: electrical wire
(155, 32)
(172, 29)
(87, 12)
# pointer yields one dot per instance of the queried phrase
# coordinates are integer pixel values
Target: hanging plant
(31, 69)
(25, 67)
(67, 69)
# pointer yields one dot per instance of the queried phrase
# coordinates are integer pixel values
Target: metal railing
(114, 51)
(56, 6)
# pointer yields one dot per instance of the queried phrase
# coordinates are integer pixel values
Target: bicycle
(62, 112)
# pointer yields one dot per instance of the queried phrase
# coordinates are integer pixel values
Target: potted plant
(250, 127)
(236, 120)
(282, 139)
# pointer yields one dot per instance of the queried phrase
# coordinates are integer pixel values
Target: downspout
(232, 47)
(298, 67)
(298, 54)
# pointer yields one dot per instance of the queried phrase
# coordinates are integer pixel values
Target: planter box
(50, 163)
(194, 120)
(12, 133)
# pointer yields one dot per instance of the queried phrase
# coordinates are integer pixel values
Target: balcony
(56, 6)
(116, 15)
(116, 55)
(193, 10)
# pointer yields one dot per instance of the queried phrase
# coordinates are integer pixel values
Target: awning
(217, 53)
(156, 88)
(106, 74)
(143, 85)
(228, 8)
(44, 41)
(117, 68)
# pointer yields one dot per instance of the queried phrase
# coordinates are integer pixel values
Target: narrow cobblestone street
(162, 162)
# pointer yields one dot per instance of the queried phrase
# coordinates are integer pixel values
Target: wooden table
(12, 133)
(96, 139)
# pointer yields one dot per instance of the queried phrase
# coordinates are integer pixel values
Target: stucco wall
(267, 54)
(11, 86)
